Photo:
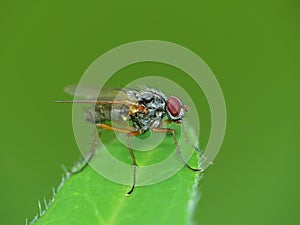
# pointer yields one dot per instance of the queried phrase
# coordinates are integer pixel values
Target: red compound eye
(174, 106)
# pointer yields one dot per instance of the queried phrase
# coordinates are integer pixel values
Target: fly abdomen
(103, 112)
(98, 113)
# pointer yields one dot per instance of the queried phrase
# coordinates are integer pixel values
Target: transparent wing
(91, 92)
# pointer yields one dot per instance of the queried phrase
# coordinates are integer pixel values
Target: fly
(147, 109)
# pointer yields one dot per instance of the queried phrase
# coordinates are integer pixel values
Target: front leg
(201, 153)
(168, 130)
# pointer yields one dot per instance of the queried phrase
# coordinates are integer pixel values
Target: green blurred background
(253, 47)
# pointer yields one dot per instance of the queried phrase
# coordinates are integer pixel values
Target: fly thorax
(155, 123)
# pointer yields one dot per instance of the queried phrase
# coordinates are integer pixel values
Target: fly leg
(197, 149)
(168, 130)
(201, 153)
(129, 134)
(94, 145)
(134, 164)
(91, 154)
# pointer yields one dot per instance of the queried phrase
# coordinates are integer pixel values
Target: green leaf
(88, 198)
